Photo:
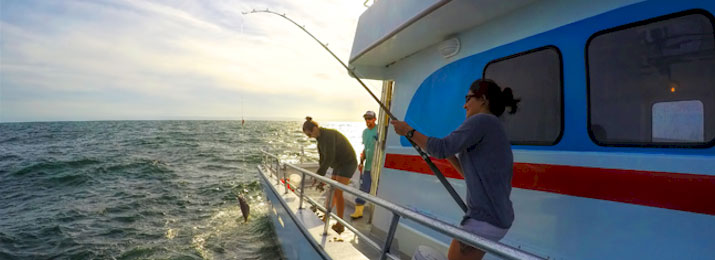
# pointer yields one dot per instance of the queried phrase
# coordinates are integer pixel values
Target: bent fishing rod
(422, 153)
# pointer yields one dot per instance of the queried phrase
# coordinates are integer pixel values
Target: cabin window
(535, 77)
(652, 83)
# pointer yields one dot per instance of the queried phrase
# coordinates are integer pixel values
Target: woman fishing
(483, 158)
(337, 153)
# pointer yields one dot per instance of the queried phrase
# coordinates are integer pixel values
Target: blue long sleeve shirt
(486, 159)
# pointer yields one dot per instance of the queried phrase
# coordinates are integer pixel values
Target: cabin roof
(393, 29)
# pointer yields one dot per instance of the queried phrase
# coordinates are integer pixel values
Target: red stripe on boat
(686, 192)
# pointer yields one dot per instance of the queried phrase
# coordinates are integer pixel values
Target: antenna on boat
(422, 153)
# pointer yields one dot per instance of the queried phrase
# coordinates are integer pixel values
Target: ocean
(142, 189)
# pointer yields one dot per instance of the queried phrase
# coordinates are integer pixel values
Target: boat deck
(346, 245)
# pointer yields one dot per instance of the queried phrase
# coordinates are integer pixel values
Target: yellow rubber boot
(358, 212)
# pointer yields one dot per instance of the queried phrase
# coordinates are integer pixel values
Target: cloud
(90, 60)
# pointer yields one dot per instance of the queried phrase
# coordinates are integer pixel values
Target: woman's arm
(327, 151)
(323, 162)
(457, 166)
(467, 134)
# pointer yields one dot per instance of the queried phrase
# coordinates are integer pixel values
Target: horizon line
(129, 120)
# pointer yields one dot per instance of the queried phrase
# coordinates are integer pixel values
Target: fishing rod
(422, 153)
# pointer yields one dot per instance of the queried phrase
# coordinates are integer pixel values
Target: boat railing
(495, 248)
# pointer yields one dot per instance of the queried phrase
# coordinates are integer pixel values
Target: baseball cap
(369, 114)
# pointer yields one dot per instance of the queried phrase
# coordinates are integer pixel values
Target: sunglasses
(468, 97)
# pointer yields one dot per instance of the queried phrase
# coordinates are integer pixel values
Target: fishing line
(422, 153)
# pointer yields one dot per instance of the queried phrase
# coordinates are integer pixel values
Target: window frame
(561, 90)
(651, 144)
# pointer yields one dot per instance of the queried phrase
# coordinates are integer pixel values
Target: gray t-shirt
(335, 152)
(484, 153)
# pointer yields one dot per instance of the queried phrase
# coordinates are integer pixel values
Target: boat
(614, 142)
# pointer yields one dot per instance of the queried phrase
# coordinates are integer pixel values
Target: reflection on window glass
(535, 78)
(678, 121)
(639, 74)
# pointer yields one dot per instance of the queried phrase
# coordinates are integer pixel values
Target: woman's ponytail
(508, 99)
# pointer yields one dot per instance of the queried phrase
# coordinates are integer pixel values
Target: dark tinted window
(535, 78)
(653, 83)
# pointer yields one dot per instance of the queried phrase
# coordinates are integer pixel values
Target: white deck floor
(337, 246)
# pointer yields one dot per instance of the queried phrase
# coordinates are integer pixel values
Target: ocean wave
(56, 166)
(141, 252)
(10, 140)
(142, 167)
(252, 158)
(192, 144)
(69, 215)
(229, 160)
(117, 232)
(126, 218)
(123, 205)
(219, 167)
(9, 157)
(54, 230)
(8, 246)
(69, 179)
(245, 242)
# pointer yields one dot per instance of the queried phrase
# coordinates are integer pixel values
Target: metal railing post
(275, 169)
(302, 188)
(329, 208)
(285, 179)
(265, 159)
(390, 236)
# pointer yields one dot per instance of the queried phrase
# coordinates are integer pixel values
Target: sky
(77, 60)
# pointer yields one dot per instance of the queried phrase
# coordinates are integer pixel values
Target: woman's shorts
(483, 229)
(345, 170)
